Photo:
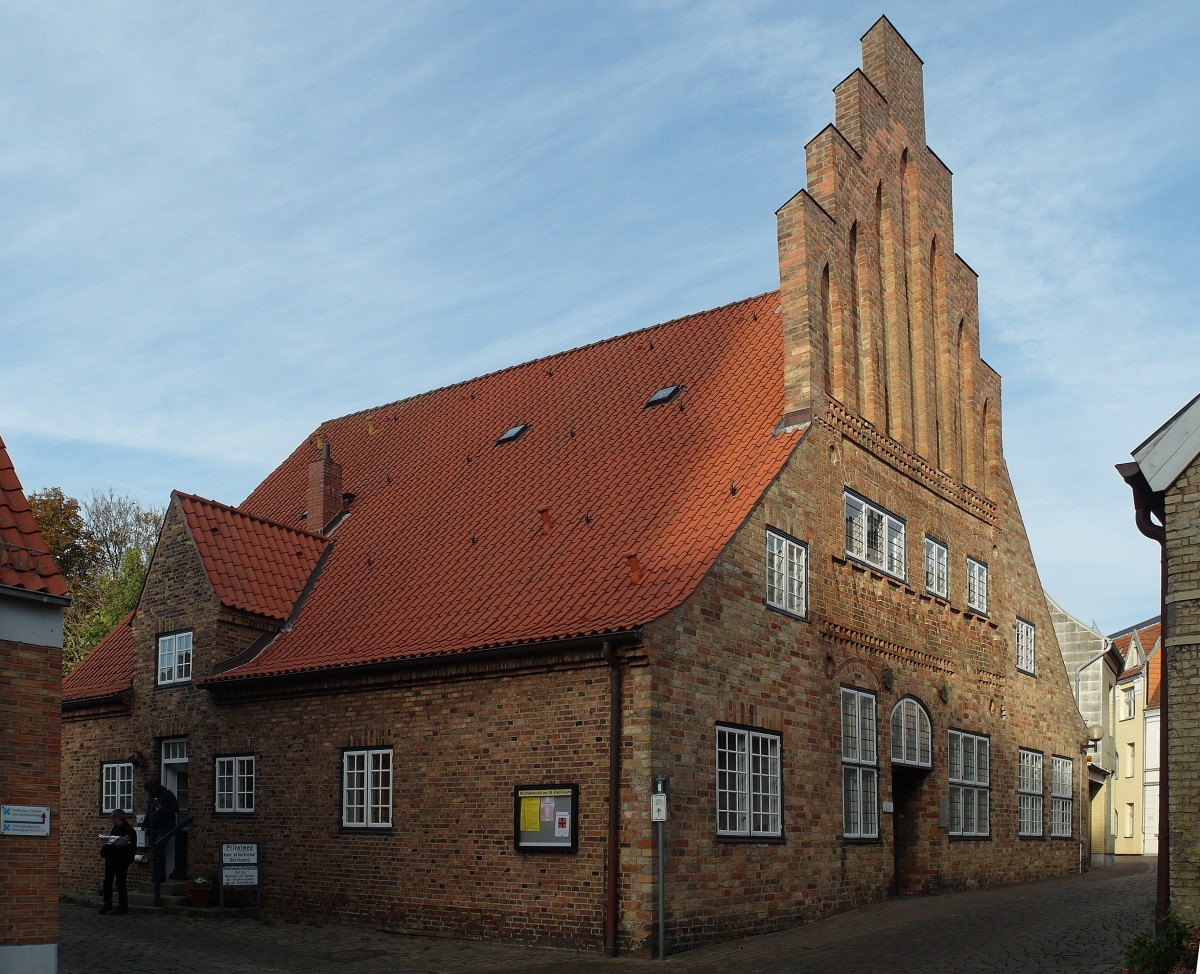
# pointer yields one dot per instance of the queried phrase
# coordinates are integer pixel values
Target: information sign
(24, 819)
(546, 818)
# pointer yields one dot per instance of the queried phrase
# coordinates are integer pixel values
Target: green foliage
(1158, 952)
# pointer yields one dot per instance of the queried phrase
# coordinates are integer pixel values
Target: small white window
(116, 786)
(1128, 703)
(1131, 752)
(749, 779)
(1062, 779)
(1029, 793)
(874, 536)
(911, 735)
(936, 575)
(970, 780)
(787, 570)
(175, 658)
(1026, 646)
(977, 586)
(860, 772)
(235, 783)
(367, 788)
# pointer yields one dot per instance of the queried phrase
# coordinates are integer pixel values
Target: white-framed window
(787, 570)
(367, 788)
(1130, 817)
(1131, 759)
(174, 769)
(874, 536)
(116, 786)
(970, 784)
(977, 586)
(937, 558)
(1026, 646)
(1128, 703)
(749, 783)
(1029, 792)
(1062, 808)
(234, 788)
(860, 766)
(912, 738)
(175, 657)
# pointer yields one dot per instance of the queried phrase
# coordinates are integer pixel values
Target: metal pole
(662, 910)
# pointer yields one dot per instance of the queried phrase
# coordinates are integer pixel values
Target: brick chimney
(324, 491)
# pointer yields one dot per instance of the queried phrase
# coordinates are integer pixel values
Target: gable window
(860, 772)
(175, 658)
(970, 780)
(235, 783)
(1062, 811)
(1029, 792)
(1026, 652)
(977, 586)
(936, 577)
(911, 735)
(367, 788)
(1128, 703)
(787, 564)
(748, 783)
(116, 786)
(874, 536)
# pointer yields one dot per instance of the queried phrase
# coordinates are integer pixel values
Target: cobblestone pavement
(1072, 925)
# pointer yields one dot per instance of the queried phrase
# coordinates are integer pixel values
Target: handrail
(156, 851)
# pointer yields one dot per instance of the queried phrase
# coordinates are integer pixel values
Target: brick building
(33, 597)
(434, 663)
(1165, 480)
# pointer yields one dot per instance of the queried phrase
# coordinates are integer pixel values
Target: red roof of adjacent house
(107, 670)
(1145, 636)
(254, 565)
(24, 562)
(603, 514)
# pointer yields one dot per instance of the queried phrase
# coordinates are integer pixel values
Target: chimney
(324, 491)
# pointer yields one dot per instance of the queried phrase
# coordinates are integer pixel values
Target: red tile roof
(602, 517)
(254, 565)
(24, 562)
(1146, 636)
(107, 670)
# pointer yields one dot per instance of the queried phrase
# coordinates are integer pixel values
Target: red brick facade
(878, 391)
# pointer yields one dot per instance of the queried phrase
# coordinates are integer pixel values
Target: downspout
(1146, 503)
(613, 871)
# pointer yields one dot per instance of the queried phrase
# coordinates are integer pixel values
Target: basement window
(513, 433)
(664, 395)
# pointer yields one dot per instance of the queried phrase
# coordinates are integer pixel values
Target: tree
(103, 549)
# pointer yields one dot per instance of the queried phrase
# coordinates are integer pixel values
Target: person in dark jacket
(161, 808)
(118, 850)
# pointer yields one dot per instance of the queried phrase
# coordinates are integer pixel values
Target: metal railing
(156, 853)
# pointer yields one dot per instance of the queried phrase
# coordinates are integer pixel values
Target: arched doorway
(912, 760)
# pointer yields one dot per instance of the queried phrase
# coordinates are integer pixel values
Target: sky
(223, 223)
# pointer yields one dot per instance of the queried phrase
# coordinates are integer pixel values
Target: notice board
(546, 818)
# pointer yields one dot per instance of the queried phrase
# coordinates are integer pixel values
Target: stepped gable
(601, 515)
(24, 561)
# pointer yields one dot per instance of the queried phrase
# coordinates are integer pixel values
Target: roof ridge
(251, 517)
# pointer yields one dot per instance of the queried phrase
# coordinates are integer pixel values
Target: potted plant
(199, 892)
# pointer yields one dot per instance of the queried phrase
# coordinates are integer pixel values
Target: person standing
(161, 808)
(118, 851)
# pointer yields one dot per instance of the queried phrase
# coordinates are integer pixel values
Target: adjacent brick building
(436, 661)
(33, 597)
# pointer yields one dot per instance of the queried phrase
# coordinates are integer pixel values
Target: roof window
(512, 434)
(664, 395)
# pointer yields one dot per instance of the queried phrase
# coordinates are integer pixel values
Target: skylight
(513, 433)
(663, 396)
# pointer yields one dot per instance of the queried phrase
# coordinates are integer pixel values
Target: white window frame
(1030, 803)
(116, 786)
(937, 571)
(977, 585)
(787, 573)
(860, 765)
(175, 657)
(367, 788)
(1062, 801)
(970, 785)
(1026, 637)
(912, 734)
(1128, 703)
(875, 536)
(749, 778)
(233, 783)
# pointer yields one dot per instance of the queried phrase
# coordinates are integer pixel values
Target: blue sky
(226, 222)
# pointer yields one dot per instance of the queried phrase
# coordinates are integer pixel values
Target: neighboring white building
(1137, 738)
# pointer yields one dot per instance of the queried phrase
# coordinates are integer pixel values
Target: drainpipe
(1145, 504)
(612, 890)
